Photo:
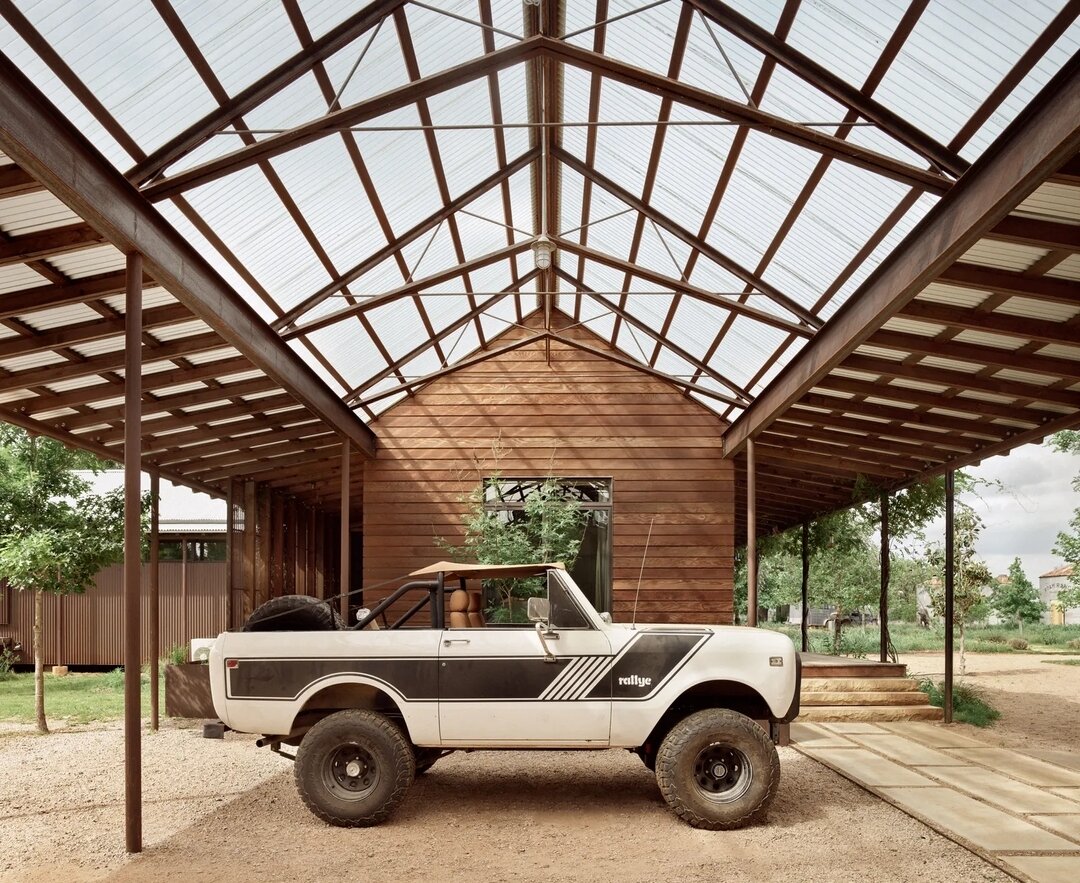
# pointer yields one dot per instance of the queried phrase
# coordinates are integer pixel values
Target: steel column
(883, 600)
(343, 568)
(950, 540)
(804, 627)
(132, 555)
(751, 536)
(155, 638)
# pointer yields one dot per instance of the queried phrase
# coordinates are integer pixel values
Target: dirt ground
(226, 810)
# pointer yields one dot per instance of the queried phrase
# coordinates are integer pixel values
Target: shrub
(968, 706)
(176, 655)
(994, 639)
(7, 663)
(1074, 644)
(986, 647)
(1018, 644)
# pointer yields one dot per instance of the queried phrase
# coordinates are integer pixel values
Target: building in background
(1050, 583)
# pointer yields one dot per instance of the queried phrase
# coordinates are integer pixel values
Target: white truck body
(596, 685)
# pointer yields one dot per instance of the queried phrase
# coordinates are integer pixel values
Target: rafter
(15, 182)
(85, 332)
(1064, 291)
(694, 241)
(265, 87)
(395, 246)
(407, 290)
(677, 285)
(835, 87)
(44, 297)
(58, 240)
(778, 127)
(395, 99)
(741, 394)
(995, 323)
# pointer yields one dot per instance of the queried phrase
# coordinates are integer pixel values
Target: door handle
(449, 641)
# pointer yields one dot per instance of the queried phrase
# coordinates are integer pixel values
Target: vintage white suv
(370, 707)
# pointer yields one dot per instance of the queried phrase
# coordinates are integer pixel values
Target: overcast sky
(1023, 519)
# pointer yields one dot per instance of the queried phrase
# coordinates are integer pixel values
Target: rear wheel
(718, 769)
(353, 768)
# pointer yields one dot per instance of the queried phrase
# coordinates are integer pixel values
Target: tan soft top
(451, 569)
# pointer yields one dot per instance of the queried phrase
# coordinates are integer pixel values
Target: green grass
(77, 698)
(968, 706)
(909, 638)
(1062, 661)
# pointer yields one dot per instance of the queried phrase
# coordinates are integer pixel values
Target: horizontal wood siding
(580, 415)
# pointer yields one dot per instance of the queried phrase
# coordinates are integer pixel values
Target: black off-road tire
(293, 613)
(353, 768)
(718, 770)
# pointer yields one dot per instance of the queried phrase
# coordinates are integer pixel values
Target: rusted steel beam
(58, 240)
(197, 343)
(177, 448)
(407, 290)
(84, 332)
(835, 87)
(973, 426)
(950, 561)
(395, 99)
(815, 461)
(717, 105)
(133, 557)
(40, 140)
(265, 87)
(154, 613)
(751, 536)
(977, 354)
(677, 285)
(963, 380)
(883, 428)
(398, 242)
(1033, 147)
(264, 463)
(994, 323)
(868, 442)
(15, 182)
(345, 565)
(475, 359)
(1063, 291)
(1037, 232)
(691, 239)
(256, 450)
(43, 297)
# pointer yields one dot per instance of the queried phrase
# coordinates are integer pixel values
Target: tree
(1017, 598)
(550, 527)
(55, 534)
(1068, 547)
(971, 576)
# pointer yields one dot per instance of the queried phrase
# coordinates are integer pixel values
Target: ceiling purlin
(1023, 66)
(725, 108)
(743, 397)
(407, 290)
(408, 52)
(352, 148)
(495, 105)
(595, 81)
(757, 95)
(456, 325)
(857, 100)
(885, 60)
(338, 120)
(675, 60)
(701, 294)
(395, 245)
(267, 86)
(702, 246)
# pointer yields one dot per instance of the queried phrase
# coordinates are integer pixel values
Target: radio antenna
(637, 594)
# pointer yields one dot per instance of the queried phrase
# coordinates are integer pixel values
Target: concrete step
(869, 713)
(862, 697)
(852, 668)
(849, 685)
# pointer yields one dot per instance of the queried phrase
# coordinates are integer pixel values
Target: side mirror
(606, 617)
(537, 609)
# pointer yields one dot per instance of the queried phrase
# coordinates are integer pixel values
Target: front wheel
(717, 770)
(353, 768)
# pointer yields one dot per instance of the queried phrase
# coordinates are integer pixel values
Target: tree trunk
(963, 668)
(1020, 623)
(836, 635)
(39, 662)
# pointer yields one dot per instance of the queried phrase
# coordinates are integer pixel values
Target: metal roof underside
(718, 181)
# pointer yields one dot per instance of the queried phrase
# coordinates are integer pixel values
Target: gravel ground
(225, 810)
(1039, 702)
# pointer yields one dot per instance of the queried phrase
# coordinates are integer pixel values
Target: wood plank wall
(579, 416)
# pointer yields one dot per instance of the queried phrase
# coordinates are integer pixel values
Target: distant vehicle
(372, 707)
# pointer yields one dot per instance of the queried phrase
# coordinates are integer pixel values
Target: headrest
(459, 601)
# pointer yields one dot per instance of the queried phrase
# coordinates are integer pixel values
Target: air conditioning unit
(200, 649)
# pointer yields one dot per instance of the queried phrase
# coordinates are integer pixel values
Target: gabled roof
(1063, 570)
(718, 182)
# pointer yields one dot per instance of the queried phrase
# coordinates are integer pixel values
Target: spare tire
(294, 613)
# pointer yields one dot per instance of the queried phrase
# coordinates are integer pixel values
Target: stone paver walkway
(1019, 812)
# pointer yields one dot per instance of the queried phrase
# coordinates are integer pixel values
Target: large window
(592, 569)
